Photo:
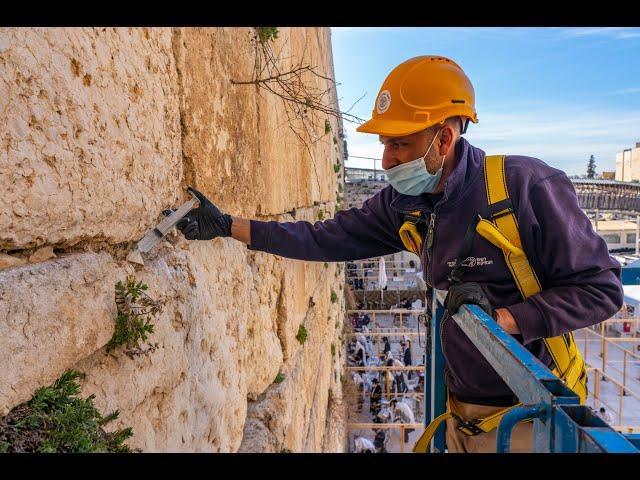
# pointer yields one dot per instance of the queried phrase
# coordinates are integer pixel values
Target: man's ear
(446, 140)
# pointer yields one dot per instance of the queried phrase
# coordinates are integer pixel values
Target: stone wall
(103, 128)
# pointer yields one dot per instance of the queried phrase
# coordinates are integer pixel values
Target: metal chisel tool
(154, 235)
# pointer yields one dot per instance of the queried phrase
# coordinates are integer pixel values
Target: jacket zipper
(430, 234)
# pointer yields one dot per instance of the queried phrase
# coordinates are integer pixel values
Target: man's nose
(389, 160)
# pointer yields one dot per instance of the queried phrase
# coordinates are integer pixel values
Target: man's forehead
(411, 136)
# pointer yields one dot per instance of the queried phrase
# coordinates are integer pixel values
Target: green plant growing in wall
(327, 126)
(334, 297)
(336, 167)
(320, 215)
(56, 420)
(333, 350)
(266, 34)
(136, 309)
(279, 378)
(302, 334)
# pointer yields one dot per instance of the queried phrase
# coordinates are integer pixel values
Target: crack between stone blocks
(188, 168)
(279, 329)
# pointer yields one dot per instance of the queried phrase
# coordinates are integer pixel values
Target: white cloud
(563, 136)
(614, 32)
(625, 91)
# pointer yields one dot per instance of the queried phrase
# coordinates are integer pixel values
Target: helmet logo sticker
(384, 101)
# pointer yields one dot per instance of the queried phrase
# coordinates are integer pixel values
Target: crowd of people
(390, 393)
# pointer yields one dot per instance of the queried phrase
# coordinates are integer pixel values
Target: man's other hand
(469, 292)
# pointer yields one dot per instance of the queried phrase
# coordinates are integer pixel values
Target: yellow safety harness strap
(468, 428)
(409, 233)
(503, 233)
(504, 220)
(422, 445)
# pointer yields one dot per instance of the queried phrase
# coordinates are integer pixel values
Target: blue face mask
(413, 178)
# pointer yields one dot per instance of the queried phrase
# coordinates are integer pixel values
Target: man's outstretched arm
(241, 229)
(353, 234)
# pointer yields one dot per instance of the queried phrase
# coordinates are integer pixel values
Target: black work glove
(469, 292)
(205, 222)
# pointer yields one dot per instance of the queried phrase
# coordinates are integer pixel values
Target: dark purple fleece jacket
(580, 280)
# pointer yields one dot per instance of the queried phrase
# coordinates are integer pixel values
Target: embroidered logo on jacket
(472, 262)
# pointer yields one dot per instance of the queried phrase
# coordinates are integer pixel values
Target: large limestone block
(217, 340)
(294, 144)
(293, 414)
(52, 314)
(188, 395)
(239, 147)
(218, 343)
(90, 132)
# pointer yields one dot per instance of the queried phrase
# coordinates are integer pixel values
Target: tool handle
(169, 222)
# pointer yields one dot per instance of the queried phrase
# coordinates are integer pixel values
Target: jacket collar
(469, 165)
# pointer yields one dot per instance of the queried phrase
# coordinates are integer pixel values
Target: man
(406, 357)
(380, 441)
(375, 398)
(406, 354)
(387, 346)
(364, 445)
(424, 106)
(359, 357)
(359, 383)
(402, 413)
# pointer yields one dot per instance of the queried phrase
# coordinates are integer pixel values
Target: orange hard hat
(419, 93)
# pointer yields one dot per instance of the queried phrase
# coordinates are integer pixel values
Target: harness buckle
(500, 209)
(468, 427)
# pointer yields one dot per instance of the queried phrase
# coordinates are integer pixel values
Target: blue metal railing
(560, 423)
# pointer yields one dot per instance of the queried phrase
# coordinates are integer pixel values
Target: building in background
(628, 164)
(619, 234)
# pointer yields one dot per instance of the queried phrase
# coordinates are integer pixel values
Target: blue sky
(559, 94)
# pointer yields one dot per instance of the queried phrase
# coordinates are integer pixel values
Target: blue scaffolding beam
(561, 424)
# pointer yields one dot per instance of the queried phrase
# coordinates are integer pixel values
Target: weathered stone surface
(8, 261)
(52, 315)
(239, 147)
(90, 134)
(42, 255)
(101, 130)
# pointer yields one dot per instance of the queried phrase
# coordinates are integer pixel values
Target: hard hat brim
(399, 128)
(392, 128)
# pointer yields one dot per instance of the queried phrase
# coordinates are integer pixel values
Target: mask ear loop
(424, 157)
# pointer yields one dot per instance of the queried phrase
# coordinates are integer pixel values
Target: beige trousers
(458, 442)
